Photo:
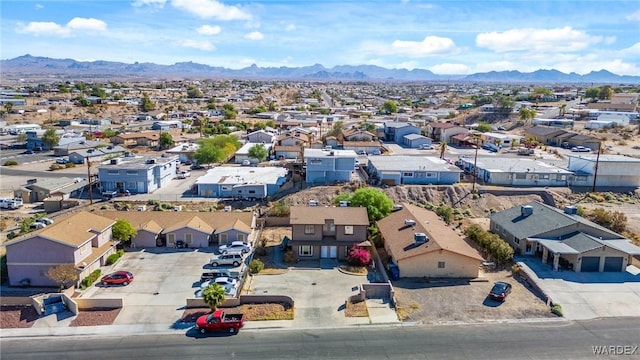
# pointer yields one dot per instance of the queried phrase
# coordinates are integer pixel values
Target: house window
(171, 239)
(252, 191)
(521, 176)
(223, 238)
(132, 172)
(130, 185)
(225, 187)
(581, 178)
(545, 176)
(517, 241)
(315, 162)
(348, 230)
(113, 172)
(309, 229)
(440, 264)
(240, 237)
(305, 250)
(430, 175)
(407, 174)
(188, 238)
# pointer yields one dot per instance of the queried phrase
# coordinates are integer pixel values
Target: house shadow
(194, 333)
(544, 271)
(424, 283)
(64, 315)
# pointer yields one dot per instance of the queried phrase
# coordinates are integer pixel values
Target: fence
(244, 299)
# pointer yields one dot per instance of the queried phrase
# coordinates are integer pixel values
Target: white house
(613, 170)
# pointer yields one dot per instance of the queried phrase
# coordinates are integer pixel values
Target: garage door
(329, 252)
(590, 264)
(613, 264)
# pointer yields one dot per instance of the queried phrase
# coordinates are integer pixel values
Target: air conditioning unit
(420, 238)
(410, 222)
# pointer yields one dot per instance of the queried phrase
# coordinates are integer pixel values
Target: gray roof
(516, 165)
(139, 162)
(52, 184)
(606, 158)
(544, 130)
(397, 124)
(100, 151)
(623, 245)
(557, 246)
(414, 136)
(582, 242)
(411, 163)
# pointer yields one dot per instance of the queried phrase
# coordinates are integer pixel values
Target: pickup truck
(219, 321)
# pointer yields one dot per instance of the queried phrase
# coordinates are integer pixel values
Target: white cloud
(610, 40)
(538, 40)
(195, 44)
(89, 24)
(152, 3)
(39, 6)
(450, 69)
(208, 9)
(290, 27)
(254, 35)
(633, 50)
(430, 46)
(634, 16)
(50, 28)
(209, 30)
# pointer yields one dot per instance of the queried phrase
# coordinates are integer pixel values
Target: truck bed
(232, 317)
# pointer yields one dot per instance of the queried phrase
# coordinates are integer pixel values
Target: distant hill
(28, 65)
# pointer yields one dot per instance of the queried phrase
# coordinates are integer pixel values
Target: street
(551, 340)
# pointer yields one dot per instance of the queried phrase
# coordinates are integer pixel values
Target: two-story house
(291, 145)
(327, 232)
(139, 175)
(329, 165)
(82, 239)
(443, 132)
(395, 131)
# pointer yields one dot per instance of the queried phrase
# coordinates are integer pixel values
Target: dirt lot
(462, 301)
(97, 316)
(13, 317)
(252, 312)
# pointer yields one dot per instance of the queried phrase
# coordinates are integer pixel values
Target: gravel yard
(94, 317)
(14, 317)
(462, 301)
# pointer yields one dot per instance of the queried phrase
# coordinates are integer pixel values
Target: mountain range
(27, 65)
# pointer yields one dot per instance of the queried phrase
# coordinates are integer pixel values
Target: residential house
(329, 165)
(544, 134)
(414, 141)
(184, 151)
(241, 182)
(138, 175)
(443, 132)
(395, 131)
(148, 138)
(613, 170)
(76, 144)
(39, 189)
(195, 229)
(562, 239)
(501, 140)
(327, 232)
(262, 137)
(243, 153)
(422, 245)
(412, 170)
(558, 123)
(82, 239)
(95, 154)
(355, 134)
(291, 145)
(509, 171)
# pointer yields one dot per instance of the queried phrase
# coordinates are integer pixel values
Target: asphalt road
(558, 340)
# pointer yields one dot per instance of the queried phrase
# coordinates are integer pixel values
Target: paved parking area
(590, 295)
(164, 279)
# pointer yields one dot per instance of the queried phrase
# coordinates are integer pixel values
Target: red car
(117, 278)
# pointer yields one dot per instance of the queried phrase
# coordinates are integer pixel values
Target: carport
(556, 249)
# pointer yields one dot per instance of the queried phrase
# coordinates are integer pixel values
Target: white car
(224, 281)
(236, 246)
(44, 220)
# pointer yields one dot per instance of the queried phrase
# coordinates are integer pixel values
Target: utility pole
(89, 180)
(595, 168)
(475, 168)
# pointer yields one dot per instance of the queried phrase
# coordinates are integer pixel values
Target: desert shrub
(281, 208)
(446, 213)
(612, 220)
(10, 163)
(256, 265)
(467, 212)
(499, 249)
(69, 165)
(54, 167)
(557, 309)
(358, 256)
(90, 279)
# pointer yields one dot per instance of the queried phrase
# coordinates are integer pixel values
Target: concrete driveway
(164, 278)
(319, 293)
(589, 295)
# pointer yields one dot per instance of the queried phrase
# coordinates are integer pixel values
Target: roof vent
(409, 222)
(115, 161)
(526, 210)
(151, 161)
(420, 238)
(570, 210)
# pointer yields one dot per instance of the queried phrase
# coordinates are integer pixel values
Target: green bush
(89, 280)
(54, 167)
(557, 309)
(256, 265)
(111, 259)
(491, 243)
(10, 163)
(69, 165)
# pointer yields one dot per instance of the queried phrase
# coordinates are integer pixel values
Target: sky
(446, 37)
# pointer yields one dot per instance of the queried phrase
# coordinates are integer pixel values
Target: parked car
(246, 163)
(234, 247)
(214, 274)
(234, 259)
(197, 167)
(580, 149)
(117, 278)
(37, 225)
(61, 161)
(184, 174)
(500, 290)
(219, 321)
(425, 147)
(44, 220)
(224, 281)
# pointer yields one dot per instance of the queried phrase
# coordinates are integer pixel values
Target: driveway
(319, 293)
(589, 295)
(164, 278)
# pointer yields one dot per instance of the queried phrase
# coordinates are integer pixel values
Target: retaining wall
(243, 299)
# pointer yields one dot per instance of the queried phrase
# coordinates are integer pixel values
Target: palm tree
(442, 148)
(213, 295)
(563, 109)
(527, 114)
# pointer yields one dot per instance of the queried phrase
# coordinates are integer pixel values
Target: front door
(328, 252)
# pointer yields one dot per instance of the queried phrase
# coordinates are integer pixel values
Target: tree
(207, 153)
(542, 91)
(96, 91)
(612, 220)
(213, 295)
(8, 107)
(505, 105)
(194, 92)
(443, 149)
(484, 127)
(358, 256)
(337, 128)
(22, 137)
(258, 152)
(123, 231)
(146, 104)
(50, 138)
(526, 114)
(229, 111)
(390, 107)
(377, 203)
(592, 93)
(63, 274)
(606, 92)
(165, 140)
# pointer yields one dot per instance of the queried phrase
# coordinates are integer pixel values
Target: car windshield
(498, 288)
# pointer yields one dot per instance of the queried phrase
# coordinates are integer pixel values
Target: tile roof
(400, 237)
(307, 215)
